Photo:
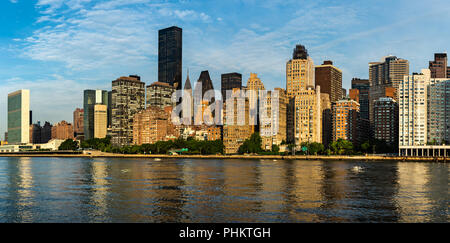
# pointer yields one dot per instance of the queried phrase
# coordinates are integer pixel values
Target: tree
(314, 148)
(341, 147)
(69, 144)
(275, 148)
(365, 146)
(251, 145)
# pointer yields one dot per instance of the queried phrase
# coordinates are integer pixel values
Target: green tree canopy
(69, 144)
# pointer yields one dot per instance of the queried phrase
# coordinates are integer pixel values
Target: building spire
(187, 84)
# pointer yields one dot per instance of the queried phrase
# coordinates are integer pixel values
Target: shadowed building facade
(329, 78)
(438, 67)
(170, 51)
(78, 122)
(229, 81)
(386, 120)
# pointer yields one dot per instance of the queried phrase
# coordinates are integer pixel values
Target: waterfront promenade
(98, 154)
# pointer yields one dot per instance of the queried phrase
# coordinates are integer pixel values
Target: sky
(58, 48)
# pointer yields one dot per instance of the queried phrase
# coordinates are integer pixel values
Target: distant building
(413, 109)
(354, 94)
(152, 125)
(345, 120)
(35, 133)
(100, 121)
(230, 81)
(128, 98)
(273, 127)
(386, 120)
(19, 117)
(203, 85)
(40, 134)
(78, 121)
(237, 131)
(363, 87)
(438, 111)
(327, 122)
(170, 50)
(254, 84)
(188, 103)
(424, 105)
(388, 72)
(46, 132)
(438, 67)
(160, 94)
(329, 78)
(63, 130)
(305, 117)
(299, 72)
(92, 98)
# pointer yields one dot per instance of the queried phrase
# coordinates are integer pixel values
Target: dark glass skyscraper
(229, 82)
(170, 56)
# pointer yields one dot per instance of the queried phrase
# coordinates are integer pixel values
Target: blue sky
(58, 48)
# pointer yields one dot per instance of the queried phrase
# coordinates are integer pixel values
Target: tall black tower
(170, 56)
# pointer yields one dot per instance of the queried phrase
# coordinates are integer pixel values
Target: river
(196, 190)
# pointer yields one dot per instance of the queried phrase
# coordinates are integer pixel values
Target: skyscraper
(413, 109)
(128, 98)
(170, 56)
(389, 71)
(385, 77)
(329, 78)
(438, 67)
(299, 72)
(92, 98)
(230, 81)
(19, 117)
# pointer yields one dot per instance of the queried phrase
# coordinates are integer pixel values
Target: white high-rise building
(413, 109)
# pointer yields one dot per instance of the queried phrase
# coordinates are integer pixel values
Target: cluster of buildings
(408, 111)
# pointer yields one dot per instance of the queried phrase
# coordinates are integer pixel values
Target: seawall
(271, 157)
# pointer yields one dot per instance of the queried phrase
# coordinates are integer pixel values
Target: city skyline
(48, 46)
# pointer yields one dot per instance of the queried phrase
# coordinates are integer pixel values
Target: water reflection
(115, 190)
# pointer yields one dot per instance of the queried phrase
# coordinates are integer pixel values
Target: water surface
(192, 190)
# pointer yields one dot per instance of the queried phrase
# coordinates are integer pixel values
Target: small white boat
(125, 171)
(357, 168)
(157, 159)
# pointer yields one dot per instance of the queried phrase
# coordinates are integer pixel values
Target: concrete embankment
(95, 154)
